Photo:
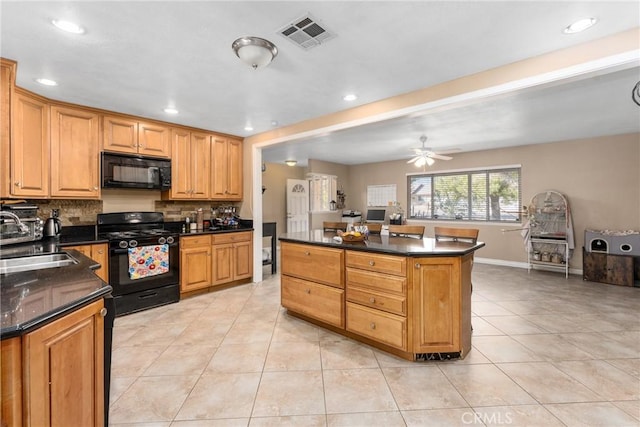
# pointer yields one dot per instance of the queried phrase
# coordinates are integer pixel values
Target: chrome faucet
(23, 228)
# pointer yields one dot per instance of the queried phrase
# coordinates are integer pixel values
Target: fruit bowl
(351, 236)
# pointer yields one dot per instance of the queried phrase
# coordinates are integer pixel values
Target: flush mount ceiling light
(248, 128)
(255, 51)
(350, 97)
(47, 82)
(170, 110)
(290, 162)
(580, 25)
(68, 26)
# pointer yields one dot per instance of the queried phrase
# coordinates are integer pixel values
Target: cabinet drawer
(387, 302)
(230, 238)
(375, 324)
(195, 241)
(376, 281)
(321, 302)
(377, 262)
(324, 265)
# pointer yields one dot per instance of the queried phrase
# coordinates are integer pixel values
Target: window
(474, 195)
(322, 191)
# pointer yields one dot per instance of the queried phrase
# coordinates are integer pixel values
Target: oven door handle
(119, 251)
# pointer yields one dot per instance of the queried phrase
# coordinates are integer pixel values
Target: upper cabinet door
(180, 164)
(120, 134)
(29, 147)
(153, 140)
(226, 169)
(75, 166)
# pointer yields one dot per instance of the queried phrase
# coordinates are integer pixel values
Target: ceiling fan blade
(439, 156)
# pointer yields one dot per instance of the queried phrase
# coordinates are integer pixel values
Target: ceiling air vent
(306, 32)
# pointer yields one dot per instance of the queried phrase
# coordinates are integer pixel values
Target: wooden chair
(416, 231)
(469, 235)
(334, 226)
(374, 228)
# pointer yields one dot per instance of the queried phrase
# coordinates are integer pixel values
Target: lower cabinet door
(195, 268)
(378, 325)
(321, 302)
(64, 362)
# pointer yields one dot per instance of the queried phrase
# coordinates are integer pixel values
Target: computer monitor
(375, 215)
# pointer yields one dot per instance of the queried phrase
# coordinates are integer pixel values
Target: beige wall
(342, 174)
(600, 177)
(274, 199)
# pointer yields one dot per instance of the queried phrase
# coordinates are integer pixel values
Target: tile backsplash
(84, 212)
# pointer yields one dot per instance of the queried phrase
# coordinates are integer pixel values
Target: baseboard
(518, 264)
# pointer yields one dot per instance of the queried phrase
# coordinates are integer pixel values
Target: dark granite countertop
(32, 299)
(215, 230)
(406, 246)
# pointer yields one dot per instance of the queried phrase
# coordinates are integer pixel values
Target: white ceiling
(138, 57)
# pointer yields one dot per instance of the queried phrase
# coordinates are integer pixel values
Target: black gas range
(144, 260)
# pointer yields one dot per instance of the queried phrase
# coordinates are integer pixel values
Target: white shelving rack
(549, 226)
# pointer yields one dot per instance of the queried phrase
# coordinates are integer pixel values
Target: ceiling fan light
(420, 162)
(430, 161)
(255, 51)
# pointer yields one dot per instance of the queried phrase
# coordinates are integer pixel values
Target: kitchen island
(409, 297)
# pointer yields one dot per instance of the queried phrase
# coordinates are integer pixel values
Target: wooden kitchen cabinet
(609, 268)
(7, 79)
(195, 263)
(232, 257)
(63, 371)
(75, 151)
(191, 164)
(98, 252)
(313, 282)
(376, 294)
(29, 146)
(442, 304)
(130, 136)
(226, 168)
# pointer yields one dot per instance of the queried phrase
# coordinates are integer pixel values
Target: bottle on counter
(199, 219)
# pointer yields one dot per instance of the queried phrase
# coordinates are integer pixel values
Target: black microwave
(131, 171)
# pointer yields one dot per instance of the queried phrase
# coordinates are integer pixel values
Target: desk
(269, 230)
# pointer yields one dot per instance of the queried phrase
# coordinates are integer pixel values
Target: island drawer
(376, 281)
(387, 302)
(323, 265)
(230, 237)
(321, 302)
(375, 324)
(195, 241)
(377, 262)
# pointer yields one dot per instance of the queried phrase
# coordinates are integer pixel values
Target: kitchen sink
(36, 262)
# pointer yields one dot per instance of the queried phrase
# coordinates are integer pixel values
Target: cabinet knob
(417, 265)
(372, 263)
(134, 145)
(95, 188)
(17, 184)
(101, 251)
(372, 300)
(307, 253)
(141, 145)
(372, 325)
(308, 291)
(103, 312)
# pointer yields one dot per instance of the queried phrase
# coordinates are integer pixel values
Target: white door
(297, 205)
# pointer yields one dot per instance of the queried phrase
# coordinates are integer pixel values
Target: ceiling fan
(425, 155)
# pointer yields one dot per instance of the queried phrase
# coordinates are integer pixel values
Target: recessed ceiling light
(68, 26)
(171, 110)
(47, 82)
(350, 97)
(274, 123)
(248, 128)
(580, 25)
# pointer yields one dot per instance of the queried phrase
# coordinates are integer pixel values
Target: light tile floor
(548, 351)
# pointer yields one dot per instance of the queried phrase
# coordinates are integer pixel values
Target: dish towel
(146, 261)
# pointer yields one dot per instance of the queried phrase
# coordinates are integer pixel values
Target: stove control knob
(122, 244)
(170, 240)
(133, 243)
(162, 240)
